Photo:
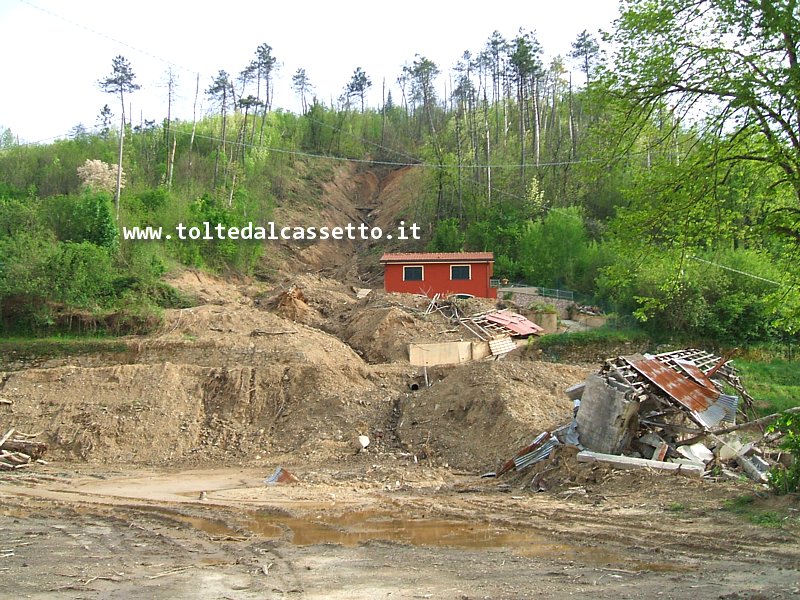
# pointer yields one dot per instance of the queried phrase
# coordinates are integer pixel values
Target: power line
(426, 165)
(420, 164)
(108, 37)
(708, 262)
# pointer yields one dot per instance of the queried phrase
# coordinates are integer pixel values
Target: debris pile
(485, 325)
(655, 412)
(18, 450)
(291, 304)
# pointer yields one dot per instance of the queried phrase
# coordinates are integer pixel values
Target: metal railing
(535, 290)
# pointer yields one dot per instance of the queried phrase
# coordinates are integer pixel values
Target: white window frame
(421, 267)
(469, 266)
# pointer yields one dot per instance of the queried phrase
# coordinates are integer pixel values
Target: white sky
(54, 51)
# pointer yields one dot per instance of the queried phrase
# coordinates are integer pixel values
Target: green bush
(785, 480)
(85, 218)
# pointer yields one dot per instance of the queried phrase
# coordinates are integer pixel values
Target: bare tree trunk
(171, 169)
(233, 186)
(536, 123)
(119, 156)
(521, 109)
(168, 128)
(572, 135)
(194, 123)
(383, 110)
(458, 155)
(488, 151)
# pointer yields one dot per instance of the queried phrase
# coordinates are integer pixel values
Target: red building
(439, 273)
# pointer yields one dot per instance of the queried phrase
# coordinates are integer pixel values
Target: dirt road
(384, 529)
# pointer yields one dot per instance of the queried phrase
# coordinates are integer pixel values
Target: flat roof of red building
(428, 257)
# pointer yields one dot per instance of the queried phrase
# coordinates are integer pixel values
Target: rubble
(281, 475)
(655, 412)
(628, 462)
(18, 450)
(607, 416)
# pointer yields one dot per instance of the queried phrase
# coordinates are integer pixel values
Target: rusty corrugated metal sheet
(540, 453)
(538, 442)
(699, 400)
(695, 373)
(423, 257)
(518, 324)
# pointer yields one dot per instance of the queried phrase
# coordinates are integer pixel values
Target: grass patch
(774, 384)
(752, 509)
(675, 507)
(593, 337)
(31, 349)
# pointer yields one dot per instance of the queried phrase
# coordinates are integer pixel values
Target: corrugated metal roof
(534, 456)
(513, 322)
(423, 257)
(700, 400)
(731, 406)
(540, 440)
(695, 373)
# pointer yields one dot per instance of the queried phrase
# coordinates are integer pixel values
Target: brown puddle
(357, 527)
(351, 529)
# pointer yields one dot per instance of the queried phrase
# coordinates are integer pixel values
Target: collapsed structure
(653, 411)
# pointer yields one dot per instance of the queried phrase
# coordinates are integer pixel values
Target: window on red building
(412, 273)
(460, 272)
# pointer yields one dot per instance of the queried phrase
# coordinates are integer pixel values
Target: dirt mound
(380, 326)
(234, 335)
(171, 413)
(382, 334)
(480, 414)
(327, 298)
(205, 288)
(291, 305)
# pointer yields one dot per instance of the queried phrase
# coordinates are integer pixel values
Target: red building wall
(436, 279)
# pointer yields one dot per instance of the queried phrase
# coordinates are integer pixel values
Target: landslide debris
(479, 413)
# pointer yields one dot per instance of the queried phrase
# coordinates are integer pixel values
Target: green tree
(586, 51)
(104, 121)
(358, 85)
(447, 237)
(737, 62)
(120, 82)
(221, 92)
(302, 86)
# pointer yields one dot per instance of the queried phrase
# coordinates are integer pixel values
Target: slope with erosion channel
(374, 196)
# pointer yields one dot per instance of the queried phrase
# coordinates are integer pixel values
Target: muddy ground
(158, 454)
(379, 527)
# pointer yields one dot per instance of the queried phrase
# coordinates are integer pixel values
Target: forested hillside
(655, 172)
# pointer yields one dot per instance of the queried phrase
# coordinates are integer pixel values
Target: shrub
(785, 480)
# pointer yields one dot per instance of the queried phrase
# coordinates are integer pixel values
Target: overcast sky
(54, 52)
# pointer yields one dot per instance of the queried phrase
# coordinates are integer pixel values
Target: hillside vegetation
(681, 224)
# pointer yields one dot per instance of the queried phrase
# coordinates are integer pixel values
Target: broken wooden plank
(6, 436)
(33, 449)
(746, 425)
(258, 332)
(628, 462)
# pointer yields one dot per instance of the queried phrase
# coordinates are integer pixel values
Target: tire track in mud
(700, 535)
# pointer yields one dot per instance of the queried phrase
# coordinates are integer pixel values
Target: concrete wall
(547, 321)
(446, 353)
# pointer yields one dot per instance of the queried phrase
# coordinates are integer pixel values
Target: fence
(535, 291)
